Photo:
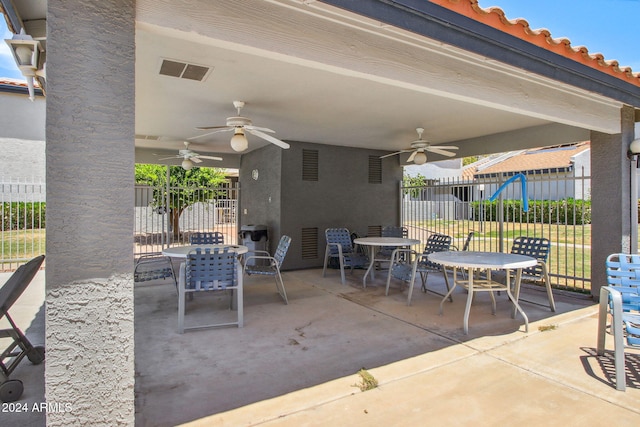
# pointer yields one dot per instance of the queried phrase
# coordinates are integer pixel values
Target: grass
(367, 381)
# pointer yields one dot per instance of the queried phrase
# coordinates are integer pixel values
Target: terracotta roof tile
(495, 17)
(540, 158)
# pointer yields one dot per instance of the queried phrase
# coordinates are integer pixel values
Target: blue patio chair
(273, 268)
(405, 269)
(385, 252)
(207, 238)
(620, 300)
(154, 267)
(340, 246)
(210, 271)
(538, 248)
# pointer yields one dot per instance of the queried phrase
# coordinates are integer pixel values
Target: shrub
(566, 211)
(22, 215)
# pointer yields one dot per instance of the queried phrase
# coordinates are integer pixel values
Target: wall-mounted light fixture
(27, 54)
(634, 151)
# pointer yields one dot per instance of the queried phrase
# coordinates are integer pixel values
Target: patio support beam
(614, 218)
(90, 164)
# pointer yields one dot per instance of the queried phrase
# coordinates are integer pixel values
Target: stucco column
(90, 162)
(612, 200)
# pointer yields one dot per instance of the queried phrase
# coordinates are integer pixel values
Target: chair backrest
(394, 231)
(281, 250)
(437, 243)
(535, 247)
(207, 238)
(341, 236)
(623, 273)
(211, 269)
(18, 282)
(467, 241)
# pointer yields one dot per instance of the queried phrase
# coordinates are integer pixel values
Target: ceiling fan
(190, 157)
(239, 125)
(419, 147)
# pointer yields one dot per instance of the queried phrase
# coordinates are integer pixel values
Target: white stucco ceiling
(317, 74)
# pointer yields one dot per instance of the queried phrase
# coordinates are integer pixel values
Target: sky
(609, 27)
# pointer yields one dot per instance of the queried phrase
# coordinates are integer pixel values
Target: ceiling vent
(183, 70)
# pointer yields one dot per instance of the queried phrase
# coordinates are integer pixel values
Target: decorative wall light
(27, 53)
(634, 151)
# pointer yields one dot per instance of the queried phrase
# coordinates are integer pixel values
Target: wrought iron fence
(22, 212)
(559, 210)
(168, 216)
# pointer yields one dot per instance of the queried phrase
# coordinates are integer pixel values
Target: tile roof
(6, 81)
(495, 17)
(537, 159)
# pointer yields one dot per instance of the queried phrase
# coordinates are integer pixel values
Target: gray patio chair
(273, 268)
(407, 264)
(385, 252)
(207, 238)
(539, 248)
(340, 247)
(210, 271)
(154, 267)
(620, 300)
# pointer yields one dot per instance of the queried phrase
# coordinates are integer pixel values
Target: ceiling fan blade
(194, 159)
(213, 127)
(269, 138)
(446, 147)
(411, 157)
(226, 129)
(210, 157)
(437, 150)
(251, 127)
(172, 157)
(394, 154)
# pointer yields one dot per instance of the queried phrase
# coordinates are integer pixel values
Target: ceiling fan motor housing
(238, 121)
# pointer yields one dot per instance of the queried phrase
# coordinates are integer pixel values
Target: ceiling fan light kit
(418, 148)
(239, 125)
(187, 164)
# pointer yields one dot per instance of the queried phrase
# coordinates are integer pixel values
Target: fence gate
(169, 215)
(559, 210)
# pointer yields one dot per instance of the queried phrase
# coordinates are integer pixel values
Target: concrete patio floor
(297, 364)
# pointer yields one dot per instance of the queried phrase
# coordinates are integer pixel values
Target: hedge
(22, 215)
(566, 211)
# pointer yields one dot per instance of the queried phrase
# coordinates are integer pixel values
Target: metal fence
(22, 231)
(559, 210)
(190, 209)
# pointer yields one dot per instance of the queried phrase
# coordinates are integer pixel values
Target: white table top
(182, 251)
(386, 241)
(487, 260)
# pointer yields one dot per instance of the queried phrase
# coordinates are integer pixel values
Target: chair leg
(326, 260)
(239, 293)
(280, 286)
(342, 270)
(181, 298)
(547, 283)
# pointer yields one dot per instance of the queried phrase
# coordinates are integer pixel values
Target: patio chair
(273, 268)
(385, 252)
(207, 238)
(402, 268)
(535, 247)
(154, 267)
(210, 271)
(620, 299)
(11, 389)
(340, 246)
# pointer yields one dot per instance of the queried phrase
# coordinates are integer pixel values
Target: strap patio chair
(210, 271)
(19, 346)
(206, 238)
(340, 247)
(538, 248)
(271, 269)
(620, 300)
(154, 267)
(407, 264)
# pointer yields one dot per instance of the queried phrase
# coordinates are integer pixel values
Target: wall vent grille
(309, 242)
(374, 231)
(375, 170)
(309, 165)
(183, 70)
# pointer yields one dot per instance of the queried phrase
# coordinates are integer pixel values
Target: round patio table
(486, 261)
(376, 242)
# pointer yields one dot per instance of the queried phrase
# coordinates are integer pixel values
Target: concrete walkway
(298, 364)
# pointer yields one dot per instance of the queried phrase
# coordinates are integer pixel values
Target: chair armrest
(258, 252)
(338, 245)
